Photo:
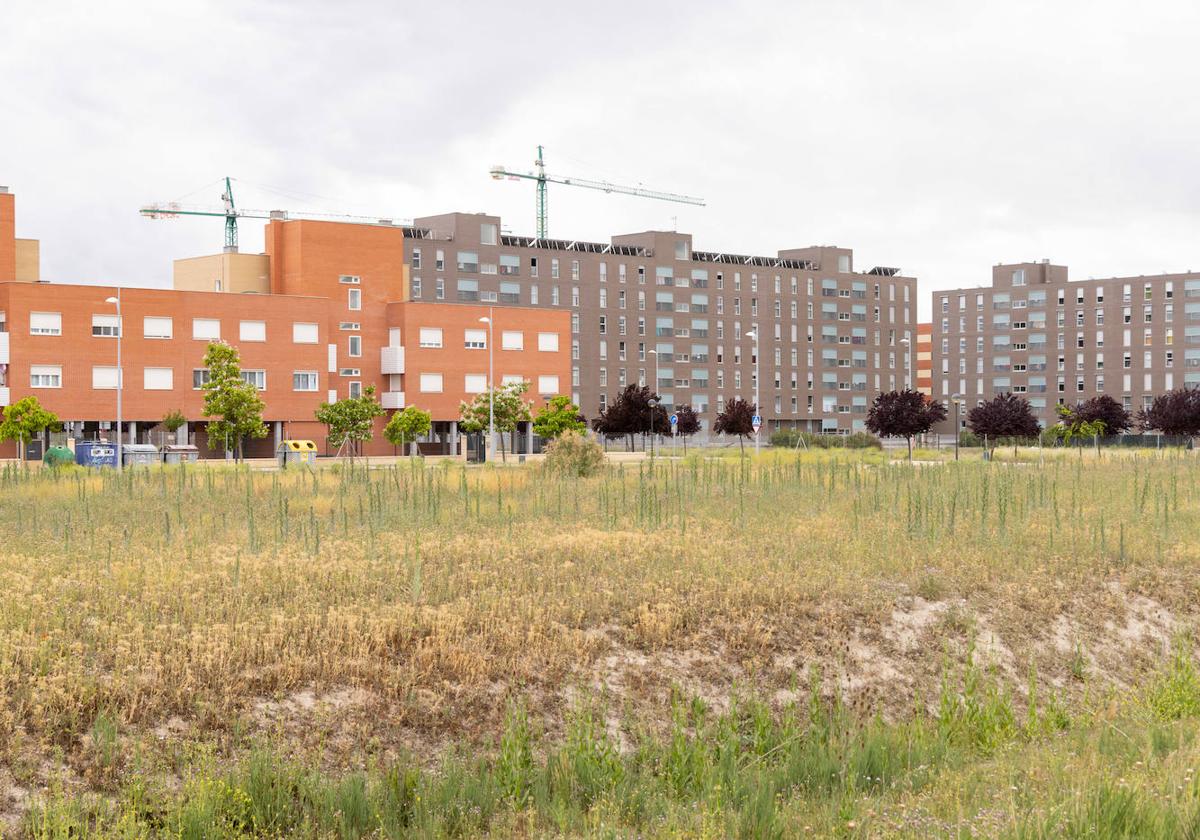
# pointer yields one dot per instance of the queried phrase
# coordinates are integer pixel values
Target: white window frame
(252, 331)
(151, 327)
(475, 383)
(427, 340)
(354, 299)
(427, 385)
(38, 373)
(167, 384)
(310, 376)
(197, 332)
(544, 381)
(50, 318)
(302, 330)
(548, 342)
(512, 340)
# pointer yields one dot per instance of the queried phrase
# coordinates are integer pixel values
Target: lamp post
(757, 408)
(491, 450)
(120, 377)
(653, 402)
(957, 401)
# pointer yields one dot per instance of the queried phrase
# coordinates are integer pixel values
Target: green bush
(967, 438)
(574, 454)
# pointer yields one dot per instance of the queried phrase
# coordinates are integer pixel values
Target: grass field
(825, 643)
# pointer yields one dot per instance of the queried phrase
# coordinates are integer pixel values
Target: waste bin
(58, 456)
(297, 452)
(96, 453)
(137, 454)
(180, 453)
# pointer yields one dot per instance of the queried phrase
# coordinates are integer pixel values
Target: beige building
(1034, 332)
(649, 308)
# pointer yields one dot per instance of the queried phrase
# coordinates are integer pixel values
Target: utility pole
(757, 408)
(491, 450)
(120, 373)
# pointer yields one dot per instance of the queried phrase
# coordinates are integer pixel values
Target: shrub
(574, 454)
(791, 438)
(967, 438)
(862, 440)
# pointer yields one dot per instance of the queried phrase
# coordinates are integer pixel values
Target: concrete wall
(237, 273)
(28, 261)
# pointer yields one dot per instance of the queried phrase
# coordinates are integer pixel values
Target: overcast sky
(941, 137)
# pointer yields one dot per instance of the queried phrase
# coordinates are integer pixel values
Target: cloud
(938, 136)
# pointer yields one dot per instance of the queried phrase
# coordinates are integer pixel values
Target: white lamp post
(120, 377)
(957, 402)
(757, 408)
(491, 451)
(653, 403)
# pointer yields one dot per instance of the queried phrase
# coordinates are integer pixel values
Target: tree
(1173, 413)
(232, 400)
(737, 419)
(24, 420)
(351, 421)
(904, 414)
(630, 413)
(173, 421)
(1072, 425)
(508, 410)
(1005, 415)
(688, 423)
(557, 416)
(1104, 409)
(406, 426)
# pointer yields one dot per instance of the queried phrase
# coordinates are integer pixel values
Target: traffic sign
(756, 422)
(674, 419)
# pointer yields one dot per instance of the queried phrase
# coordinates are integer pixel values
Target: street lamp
(757, 408)
(120, 377)
(957, 401)
(652, 403)
(491, 451)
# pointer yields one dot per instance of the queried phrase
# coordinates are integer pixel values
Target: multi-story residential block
(1054, 340)
(319, 317)
(648, 308)
(925, 359)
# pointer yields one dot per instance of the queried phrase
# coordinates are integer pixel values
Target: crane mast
(542, 179)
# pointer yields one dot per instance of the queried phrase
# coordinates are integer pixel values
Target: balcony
(392, 399)
(391, 360)
(4, 350)
(5, 398)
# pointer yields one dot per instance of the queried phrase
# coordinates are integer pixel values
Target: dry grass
(361, 614)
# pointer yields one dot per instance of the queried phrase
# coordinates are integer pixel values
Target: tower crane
(542, 179)
(231, 213)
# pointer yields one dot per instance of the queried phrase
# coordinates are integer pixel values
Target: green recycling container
(58, 456)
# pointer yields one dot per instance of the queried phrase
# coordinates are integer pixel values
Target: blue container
(96, 453)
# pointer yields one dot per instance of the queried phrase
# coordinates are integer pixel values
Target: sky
(939, 137)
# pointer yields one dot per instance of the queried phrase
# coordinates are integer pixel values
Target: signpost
(756, 422)
(674, 423)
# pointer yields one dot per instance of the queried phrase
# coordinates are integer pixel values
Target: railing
(391, 360)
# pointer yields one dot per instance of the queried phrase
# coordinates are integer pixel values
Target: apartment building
(319, 317)
(648, 308)
(1053, 340)
(925, 359)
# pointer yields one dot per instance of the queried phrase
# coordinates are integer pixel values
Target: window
(431, 383)
(354, 299)
(475, 339)
(354, 279)
(45, 376)
(206, 329)
(103, 326)
(354, 346)
(548, 385)
(349, 372)
(200, 378)
(304, 333)
(548, 342)
(430, 337)
(487, 234)
(354, 390)
(257, 378)
(512, 340)
(252, 330)
(155, 327)
(104, 378)
(304, 380)
(47, 323)
(475, 383)
(158, 379)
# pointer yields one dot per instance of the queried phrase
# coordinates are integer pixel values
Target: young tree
(1072, 425)
(1103, 409)
(173, 421)
(630, 413)
(737, 419)
(233, 401)
(1173, 413)
(1005, 415)
(508, 410)
(24, 420)
(406, 426)
(688, 423)
(904, 414)
(351, 421)
(558, 416)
